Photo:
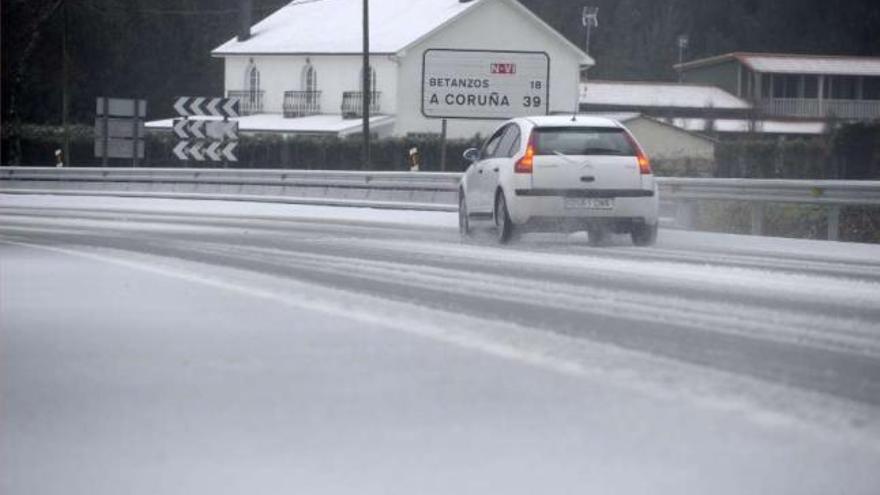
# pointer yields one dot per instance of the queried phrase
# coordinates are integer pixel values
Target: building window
(309, 83)
(785, 86)
(766, 85)
(252, 81)
(811, 87)
(309, 79)
(843, 88)
(871, 88)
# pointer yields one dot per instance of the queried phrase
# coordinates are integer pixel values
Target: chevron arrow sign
(187, 106)
(214, 130)
(180, 151)
(228, 148)
(218, 151)
(200, 151)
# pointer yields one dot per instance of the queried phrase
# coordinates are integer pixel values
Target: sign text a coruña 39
(478, 84)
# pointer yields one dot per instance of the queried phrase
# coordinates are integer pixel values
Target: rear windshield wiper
(601, 151)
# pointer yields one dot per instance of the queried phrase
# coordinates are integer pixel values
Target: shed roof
(334, 27)
(739, 126)
(277, 123)
(658, 94)
(795, 64)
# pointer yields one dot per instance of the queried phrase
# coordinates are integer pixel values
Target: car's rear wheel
(644, 235)
(503, 225)
(464, 226)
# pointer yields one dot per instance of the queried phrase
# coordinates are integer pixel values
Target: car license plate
(589, 203)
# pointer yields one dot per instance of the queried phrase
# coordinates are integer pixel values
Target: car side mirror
(471, 154)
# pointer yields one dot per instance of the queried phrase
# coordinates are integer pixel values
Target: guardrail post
(833, 223)
(685, 214)
(757, 218)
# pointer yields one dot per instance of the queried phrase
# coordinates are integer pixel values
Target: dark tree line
(158, 49)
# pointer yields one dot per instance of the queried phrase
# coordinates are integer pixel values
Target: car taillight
(524, 164)
(644, 162)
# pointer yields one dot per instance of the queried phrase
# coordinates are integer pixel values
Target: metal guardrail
(412, 190)
(687, 193)
(401, 190)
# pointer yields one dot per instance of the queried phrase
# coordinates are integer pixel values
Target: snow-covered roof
(658, 94)
(277, 123)
(796, 64)
(806, 127)
(334, 26)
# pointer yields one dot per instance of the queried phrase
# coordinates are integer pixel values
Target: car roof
(568, 121)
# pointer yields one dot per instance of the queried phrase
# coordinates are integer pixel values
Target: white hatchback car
(559, 173)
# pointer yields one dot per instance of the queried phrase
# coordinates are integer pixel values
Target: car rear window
(582, 141)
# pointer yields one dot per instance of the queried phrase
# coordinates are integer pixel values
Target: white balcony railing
(301, 103)
(353, 103)
(801, 107)
(250, 101)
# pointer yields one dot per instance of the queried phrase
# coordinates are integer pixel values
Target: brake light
(644, 162)
(524, 164)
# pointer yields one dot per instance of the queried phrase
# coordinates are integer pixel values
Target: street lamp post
(367, 90)
(683, 41)
(65, 85)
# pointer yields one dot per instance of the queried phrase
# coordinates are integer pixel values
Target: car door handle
(480, 170)
(495, 169)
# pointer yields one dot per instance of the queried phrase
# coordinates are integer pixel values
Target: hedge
(38, 144)
(852, 151)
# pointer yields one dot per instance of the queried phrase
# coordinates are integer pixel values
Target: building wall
(491, 26)
(336, 74)
(724, 75)
(665, 142)
(494, 25)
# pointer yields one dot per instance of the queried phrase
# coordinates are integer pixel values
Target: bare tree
(31, 17)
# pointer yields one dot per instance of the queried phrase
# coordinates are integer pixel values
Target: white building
(300, 69)
(666, 141)
(659, 98)
(699, 108)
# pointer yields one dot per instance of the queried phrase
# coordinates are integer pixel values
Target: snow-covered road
(171, 346)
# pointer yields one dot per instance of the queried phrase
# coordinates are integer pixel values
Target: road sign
(117, 107)
(119, 129)
(119, 148)
(187, 106)
(203, 138)
(201, 151)
(480, 84)
(217, 130)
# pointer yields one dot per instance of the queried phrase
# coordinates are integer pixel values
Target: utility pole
(683, 41)
(589, 19)
(65, 92)
(367, 90)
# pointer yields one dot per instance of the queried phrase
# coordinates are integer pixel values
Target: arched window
(309, 80)
(309, 83)
(252, 81)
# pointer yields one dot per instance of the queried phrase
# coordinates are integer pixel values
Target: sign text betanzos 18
(484, 84)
